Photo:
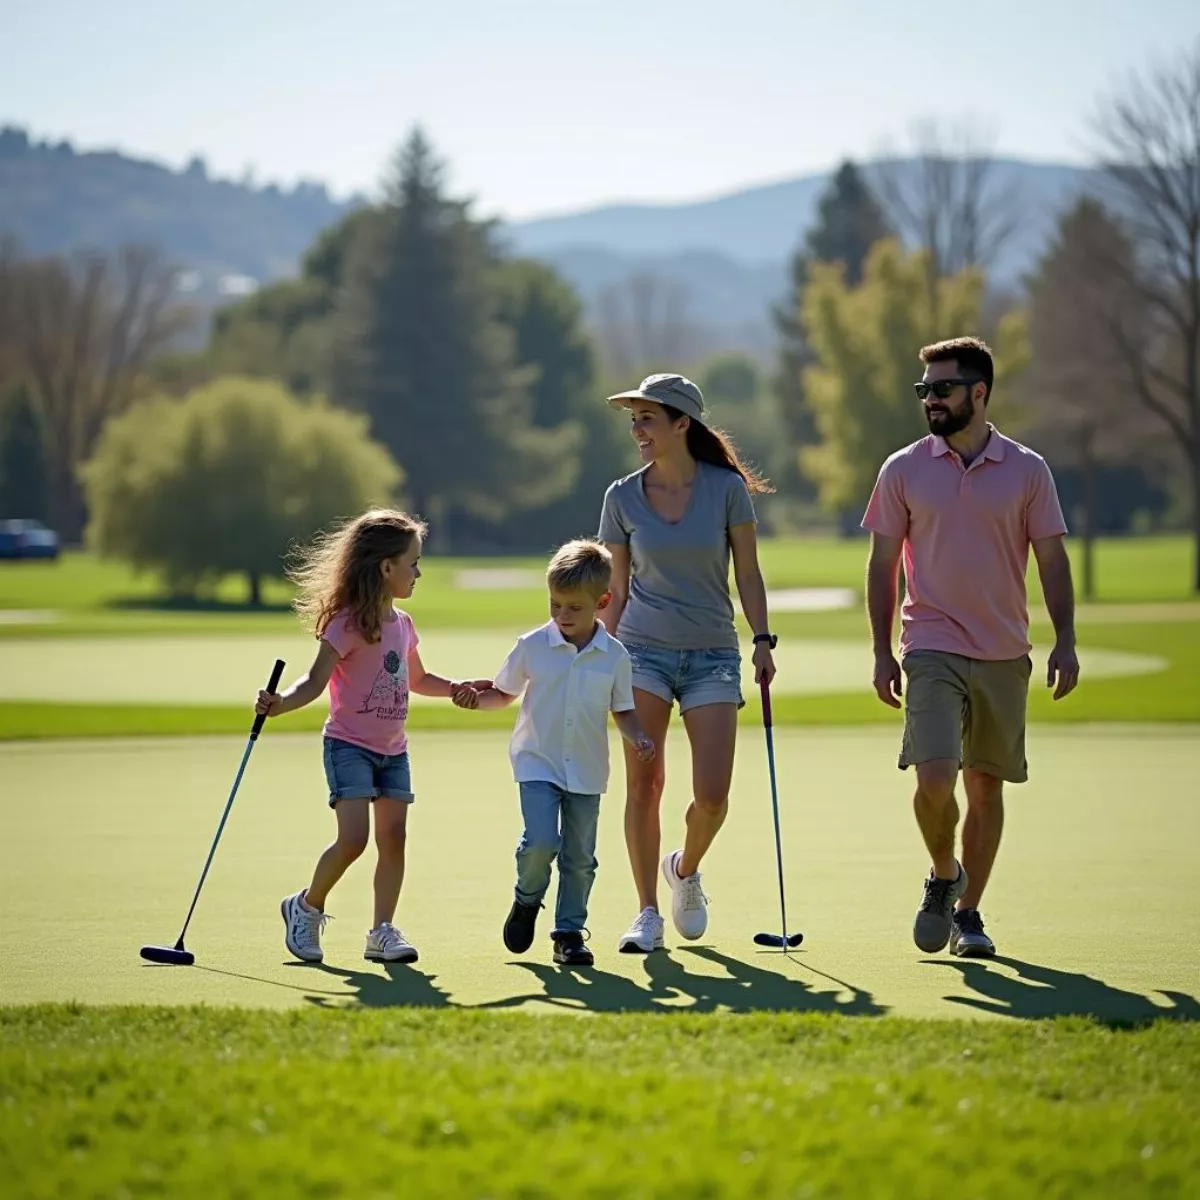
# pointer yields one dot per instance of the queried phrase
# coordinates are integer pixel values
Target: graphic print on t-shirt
(388, 697)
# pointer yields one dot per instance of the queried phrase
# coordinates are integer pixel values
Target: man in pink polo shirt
(961, 509)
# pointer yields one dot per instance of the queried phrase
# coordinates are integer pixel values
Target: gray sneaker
(931, 929)
(967, 938)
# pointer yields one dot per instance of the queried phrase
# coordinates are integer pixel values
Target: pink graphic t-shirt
(368, 691)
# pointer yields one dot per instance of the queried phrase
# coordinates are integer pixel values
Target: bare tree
(946, 197)
(1078, 382)
(643, 321)
(1149, 136)
(81, 329)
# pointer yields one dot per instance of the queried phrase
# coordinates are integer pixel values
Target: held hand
(888, 679)
(268, 704)
(1063, 666)
(644, 745)
(464, 695)
(764, 663)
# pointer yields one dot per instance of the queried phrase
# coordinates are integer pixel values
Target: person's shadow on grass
(672, 988)
(1038, 993)
(746, 987)
(400, 986)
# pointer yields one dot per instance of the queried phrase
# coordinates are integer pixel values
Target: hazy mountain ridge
(727, 254)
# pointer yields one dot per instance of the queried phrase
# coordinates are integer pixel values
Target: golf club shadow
(401, 986)
(291, 987)
(1038, 992)
(744, 988)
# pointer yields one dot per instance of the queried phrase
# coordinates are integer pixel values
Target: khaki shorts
(967, 710)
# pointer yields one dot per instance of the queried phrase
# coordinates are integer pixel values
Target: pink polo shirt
(966, 538)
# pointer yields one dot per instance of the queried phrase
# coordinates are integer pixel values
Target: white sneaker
(302, 928)
(689, 905)
(644, 935)
(388, 944)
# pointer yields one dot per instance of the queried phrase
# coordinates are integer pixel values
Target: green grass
(97, 596)
(104, 840)
(137, 1101)
(234, 665)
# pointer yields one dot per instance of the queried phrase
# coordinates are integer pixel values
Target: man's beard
(949, 421)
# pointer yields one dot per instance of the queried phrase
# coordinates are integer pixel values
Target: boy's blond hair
(583, 565)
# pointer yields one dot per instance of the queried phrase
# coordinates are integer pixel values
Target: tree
(1079, 380)
(741, 405)
(81, 330)
(420, 348)
(226, 480)
(865, 341)
(23, 484)
(849, 222)
(1150, 148)
(949, 201)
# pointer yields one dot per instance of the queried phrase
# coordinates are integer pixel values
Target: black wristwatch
(769, 638)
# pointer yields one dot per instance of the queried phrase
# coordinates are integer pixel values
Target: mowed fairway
(1095, 904)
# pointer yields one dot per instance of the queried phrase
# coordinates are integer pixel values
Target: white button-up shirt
(561, 735)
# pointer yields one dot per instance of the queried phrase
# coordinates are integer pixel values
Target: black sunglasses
(941, 388)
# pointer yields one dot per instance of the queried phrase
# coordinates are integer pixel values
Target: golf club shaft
(255, 729)
(766, 706)
(213, 848)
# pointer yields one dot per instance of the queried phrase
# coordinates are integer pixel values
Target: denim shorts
(355, 773)
(693, 677)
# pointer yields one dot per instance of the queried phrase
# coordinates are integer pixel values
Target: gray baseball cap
(675, 390)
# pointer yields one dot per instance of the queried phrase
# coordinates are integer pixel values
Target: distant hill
(728, 254)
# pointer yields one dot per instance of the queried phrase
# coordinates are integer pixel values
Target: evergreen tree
(24, 487)
(420, 348)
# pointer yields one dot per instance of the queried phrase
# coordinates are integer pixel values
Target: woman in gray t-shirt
(671, 528)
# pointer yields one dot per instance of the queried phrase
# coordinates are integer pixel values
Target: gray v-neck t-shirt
(679, 587)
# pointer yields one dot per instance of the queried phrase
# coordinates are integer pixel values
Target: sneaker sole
(287, 939)
(973, 951)
(582, 962)
(379, 956)
(628, 946)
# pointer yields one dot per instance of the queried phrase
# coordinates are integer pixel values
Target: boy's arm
(305, 690)
(631, 730)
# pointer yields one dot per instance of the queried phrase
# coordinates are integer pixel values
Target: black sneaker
(931, 928)
(967, 938)
(569, 950)
(518, 929)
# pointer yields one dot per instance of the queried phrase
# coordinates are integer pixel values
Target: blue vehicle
(27, 539)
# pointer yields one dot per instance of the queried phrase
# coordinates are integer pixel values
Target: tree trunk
(255, 581)
(1088, 464)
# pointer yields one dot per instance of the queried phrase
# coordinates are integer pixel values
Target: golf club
(177, 955)
(780, 941)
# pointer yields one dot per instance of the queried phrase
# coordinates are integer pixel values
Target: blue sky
(557, 105)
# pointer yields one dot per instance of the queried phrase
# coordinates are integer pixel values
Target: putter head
(174, 956)
(777, 941)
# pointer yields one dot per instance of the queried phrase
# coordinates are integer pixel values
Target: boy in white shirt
(573, 674)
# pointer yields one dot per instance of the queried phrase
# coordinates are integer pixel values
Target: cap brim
(625, 399)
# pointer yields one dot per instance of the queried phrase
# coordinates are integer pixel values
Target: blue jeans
(562, 825)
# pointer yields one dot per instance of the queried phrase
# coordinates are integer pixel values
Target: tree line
(413, 357)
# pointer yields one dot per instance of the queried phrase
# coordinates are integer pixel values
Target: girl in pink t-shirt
(348, 582)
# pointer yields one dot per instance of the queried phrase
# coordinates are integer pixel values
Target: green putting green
(208, 670)
(1092, 908)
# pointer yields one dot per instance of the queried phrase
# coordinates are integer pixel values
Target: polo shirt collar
(993, 449)
(600, 638)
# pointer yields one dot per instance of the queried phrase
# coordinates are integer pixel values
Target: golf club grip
(272, 685)
(766, 702)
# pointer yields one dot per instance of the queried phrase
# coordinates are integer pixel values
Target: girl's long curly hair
(340, 570)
